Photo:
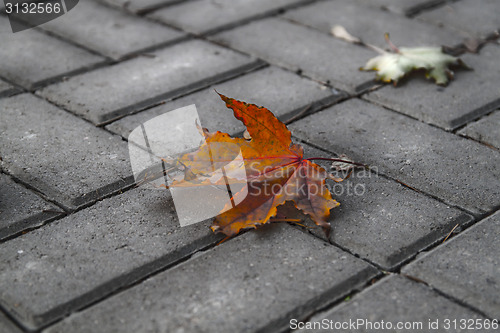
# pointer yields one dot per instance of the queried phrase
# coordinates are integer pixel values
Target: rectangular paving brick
(461, 172)
(110, 31)
(8, 326)
(21, 209)
(251, 283)
(62, 156)
(370, 24)
(140, 6)
(471, 95)
(317, 55)
(466, 267)
(205, 16)
(397, 300)
(406, 7)
(284, 93)
(383, 221)
(79, 259)
(32, 58)
(109, 93)
(486, 130)
(478, 18)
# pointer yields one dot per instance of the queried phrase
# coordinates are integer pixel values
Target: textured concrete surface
(318, 55)
(477, 18)
(486, 130)
(41, 146)
(424, 157)
(398, 300)
(203, 16)
(467, 267)
(381, 220)
(92, 253)
(385, 222)
(239, 278)
(280, 91)
(474, 93)
(21, 209)
(53, 59)
(102, 29)
(83, 250)
(114, 91)
(370, 24)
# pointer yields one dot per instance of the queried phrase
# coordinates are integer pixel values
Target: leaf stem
(391, 45)
(335, 160)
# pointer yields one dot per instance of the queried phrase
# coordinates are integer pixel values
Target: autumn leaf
(392, 66)
(276, 172)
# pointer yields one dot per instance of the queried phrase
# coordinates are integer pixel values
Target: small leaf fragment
(340, 32)
(343, 166)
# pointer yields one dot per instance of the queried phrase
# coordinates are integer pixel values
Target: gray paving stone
(6, 326)
(486, 130)
(21, 209)
(32, 58)
(140, 6)
(370, 24)
(398, 300)
(282, 92)
(402, 6)
(459, 171)
(467, 267)
(256, 281)
(383, 221)
(289, 45)
(475, 17)
(109, 31)
(62, 156)
(204, 16)
(6, 89)
(109, 93)
(75, 261)
(471, 95)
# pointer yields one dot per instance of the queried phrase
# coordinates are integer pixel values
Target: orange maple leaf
(275, 168)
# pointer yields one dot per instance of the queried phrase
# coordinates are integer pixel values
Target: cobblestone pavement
(84, 250)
